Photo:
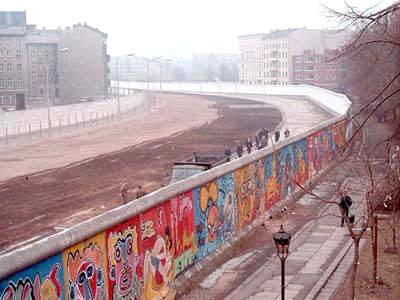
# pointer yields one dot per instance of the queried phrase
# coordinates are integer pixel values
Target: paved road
(299, 113)
(313, 252)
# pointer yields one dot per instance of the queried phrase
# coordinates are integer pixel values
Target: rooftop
(12, 30)
(280, 33)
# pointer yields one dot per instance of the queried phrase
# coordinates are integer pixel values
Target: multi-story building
(266, 58)
(13, 73)
(84, 67)
(319, 69)
(130, 68)
(43, 63)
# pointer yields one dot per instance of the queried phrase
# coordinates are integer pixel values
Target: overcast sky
(179, 28)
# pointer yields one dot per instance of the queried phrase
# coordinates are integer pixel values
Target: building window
(333, 68)
(333, 76)
(299, 77)
(9, 67)
(32, 53)
(9, 82)
(18, 42)
(33, 73)
(1, 98)
(327, 77)
(1, 68)
(19, 82)
(8, 53)
(33, 85)
(10, 99)
(328, 67)
(19, 67)
(1, 53)
(298, 59)
(2, 83)
(18, 53)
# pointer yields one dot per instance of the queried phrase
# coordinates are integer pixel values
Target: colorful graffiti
(182, 226)
(122, 253)
(300, 161)
(287, 170)
(245, 195)
(271, 183)
(141, 257)
(156, 252)
(208, 219)
(41, 281)
(85, 270)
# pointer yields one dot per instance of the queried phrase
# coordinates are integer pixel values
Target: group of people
(140, 192)
(261, 141)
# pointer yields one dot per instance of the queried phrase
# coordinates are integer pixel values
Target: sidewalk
(315, 252)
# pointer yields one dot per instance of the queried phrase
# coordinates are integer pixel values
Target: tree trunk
(355, 265)
(374, 243)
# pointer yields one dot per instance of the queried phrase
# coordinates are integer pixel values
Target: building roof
(12, 18)
(274, 34)
(42, 37)
(12, 30)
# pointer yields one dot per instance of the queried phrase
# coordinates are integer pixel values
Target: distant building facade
(43, 61)
(13, 60)
(84, 67)
(32, 65)
(319, 69)
(266, 58)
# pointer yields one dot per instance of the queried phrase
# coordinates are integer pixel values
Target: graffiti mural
(123, 258)
(301, 161)
(259, 185)
(182, 226)
(85, 270)
(245, 196)
(286, 173)
(40, 281)
(156, 252)
(208, 219)
(314, 154)
(227, 205)
(271, 183)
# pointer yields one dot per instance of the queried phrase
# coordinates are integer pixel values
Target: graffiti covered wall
(140, 257)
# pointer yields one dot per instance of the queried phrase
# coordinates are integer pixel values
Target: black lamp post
(282, 240)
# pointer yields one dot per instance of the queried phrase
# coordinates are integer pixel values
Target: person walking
(263, 142)
(257, 142)
(277, 136)
(344, 204)
(140, 192)
(124, 191)
(286, 133)
(239, 150)
(228, 154)
(249, 145)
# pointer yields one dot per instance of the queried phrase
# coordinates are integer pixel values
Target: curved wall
(138, 249)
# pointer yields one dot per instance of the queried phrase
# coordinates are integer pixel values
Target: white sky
(179, 28)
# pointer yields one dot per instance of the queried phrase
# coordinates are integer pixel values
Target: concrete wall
(138, 249)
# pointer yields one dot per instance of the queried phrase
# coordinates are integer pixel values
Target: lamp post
(48, 87)
(282, 240)
(118, 101)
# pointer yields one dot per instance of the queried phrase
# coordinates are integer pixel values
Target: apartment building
(13, 72)
(319, 69)
(84, 67)
(43, 63)
(266, 58)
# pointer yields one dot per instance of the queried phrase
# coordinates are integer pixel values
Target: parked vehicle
(195, 164)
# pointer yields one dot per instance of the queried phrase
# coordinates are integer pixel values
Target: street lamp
(48, 87)
(282, 240)
(118, 102)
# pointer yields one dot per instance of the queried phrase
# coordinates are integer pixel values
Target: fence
(28, 124)
(137, 250)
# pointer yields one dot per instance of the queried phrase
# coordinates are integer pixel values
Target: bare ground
(52, 200)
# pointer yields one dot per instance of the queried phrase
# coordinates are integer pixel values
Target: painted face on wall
(123, 260)
(229, 208)
(85, 274)
(49, 288)
(213, 223)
